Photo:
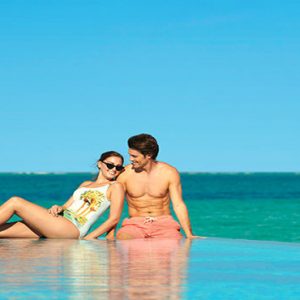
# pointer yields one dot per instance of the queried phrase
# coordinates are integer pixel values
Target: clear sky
(216, 82)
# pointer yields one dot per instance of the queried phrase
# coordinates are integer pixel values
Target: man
(150, 185)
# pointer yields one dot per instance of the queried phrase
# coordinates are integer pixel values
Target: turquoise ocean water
(228, 208)
(255, 206)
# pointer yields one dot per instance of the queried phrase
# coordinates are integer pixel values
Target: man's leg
(131, 229)
(130, 232)
(166, 227)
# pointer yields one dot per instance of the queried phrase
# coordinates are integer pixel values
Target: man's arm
(179, 206)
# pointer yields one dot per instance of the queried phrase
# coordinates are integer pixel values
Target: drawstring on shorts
(149, 220)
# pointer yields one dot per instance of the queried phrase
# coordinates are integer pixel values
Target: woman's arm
(55, 210)
(116, 196)
(111, 233)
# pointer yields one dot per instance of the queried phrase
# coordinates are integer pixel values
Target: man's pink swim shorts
(151, 227)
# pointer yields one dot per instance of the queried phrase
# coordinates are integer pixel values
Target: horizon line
(181, 172)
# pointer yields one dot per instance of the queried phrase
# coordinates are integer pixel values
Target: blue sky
(216, 82)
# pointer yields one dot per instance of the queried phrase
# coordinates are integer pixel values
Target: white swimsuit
(88, 205)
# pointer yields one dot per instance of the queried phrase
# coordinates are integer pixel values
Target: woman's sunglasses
(111, 166)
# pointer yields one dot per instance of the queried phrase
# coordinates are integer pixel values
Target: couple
(149, 187)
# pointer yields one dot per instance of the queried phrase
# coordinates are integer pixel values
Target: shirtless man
(150, 185)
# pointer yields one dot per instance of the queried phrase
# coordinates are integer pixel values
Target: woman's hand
(55, 210)
(89, 237)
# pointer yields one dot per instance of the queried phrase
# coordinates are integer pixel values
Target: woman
(76, 216)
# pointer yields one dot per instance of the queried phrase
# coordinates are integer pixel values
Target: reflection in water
(150, 269)
(138, 269)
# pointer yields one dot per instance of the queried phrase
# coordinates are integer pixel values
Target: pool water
(149, 269)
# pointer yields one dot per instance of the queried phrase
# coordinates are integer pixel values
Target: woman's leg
(38, 219)
(17, 230)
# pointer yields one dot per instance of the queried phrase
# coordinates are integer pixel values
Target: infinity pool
(149, 269)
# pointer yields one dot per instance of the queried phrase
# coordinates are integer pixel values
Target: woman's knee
(15, 201)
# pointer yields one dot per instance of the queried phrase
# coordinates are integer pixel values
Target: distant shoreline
(181, 172)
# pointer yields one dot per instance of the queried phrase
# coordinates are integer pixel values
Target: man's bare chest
(152, 187)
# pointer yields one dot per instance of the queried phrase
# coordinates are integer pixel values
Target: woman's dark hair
(107, 154)
(144, 143)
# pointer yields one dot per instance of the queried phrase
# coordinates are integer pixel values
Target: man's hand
(55, 210)
(196, 237)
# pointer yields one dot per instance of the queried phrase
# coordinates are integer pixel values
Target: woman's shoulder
(116, 186)
(85, 183)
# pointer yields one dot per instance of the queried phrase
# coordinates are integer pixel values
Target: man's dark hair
(144, 143)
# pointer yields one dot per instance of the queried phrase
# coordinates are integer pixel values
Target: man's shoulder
(166, 167)
(168, 173)
(127, 170)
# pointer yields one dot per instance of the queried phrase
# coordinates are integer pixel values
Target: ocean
(251, 222)
(252, 206)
